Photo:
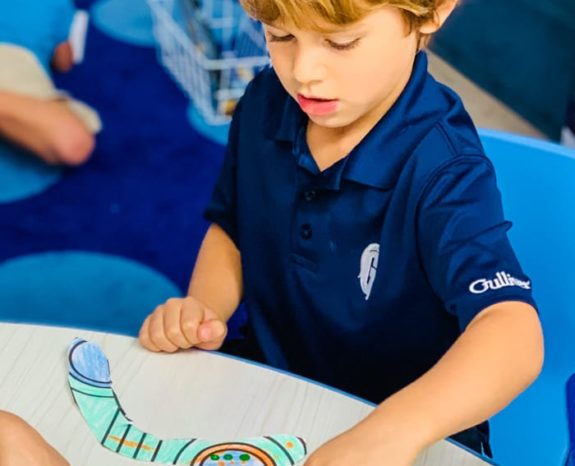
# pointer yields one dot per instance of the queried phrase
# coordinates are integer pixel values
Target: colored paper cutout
(91, 385)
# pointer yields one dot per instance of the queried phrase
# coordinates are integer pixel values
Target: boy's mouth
(317, 106)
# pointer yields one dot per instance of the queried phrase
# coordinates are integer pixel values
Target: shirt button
(305, 231)
(310, 195)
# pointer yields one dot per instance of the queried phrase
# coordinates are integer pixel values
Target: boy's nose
(307, 67)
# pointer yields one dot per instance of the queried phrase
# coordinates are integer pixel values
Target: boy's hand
(21, 445)
(182, 323)
(359, 446)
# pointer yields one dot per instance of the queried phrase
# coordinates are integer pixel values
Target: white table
(193, 393)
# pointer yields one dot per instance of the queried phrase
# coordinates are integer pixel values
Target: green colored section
(191, 451)
(101, 413)
(140, 445)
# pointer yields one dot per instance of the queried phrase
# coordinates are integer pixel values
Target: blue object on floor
(125, 20)
(22, 175)
(216, 133)
(81, 289)
(536, 180)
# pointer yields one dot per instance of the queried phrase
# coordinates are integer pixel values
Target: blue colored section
(215, 133)
(80, 289)
(125, 20)
(22, 175)
(88, 363)
(536, 181)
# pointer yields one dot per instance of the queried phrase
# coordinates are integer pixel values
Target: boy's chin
(334, 121)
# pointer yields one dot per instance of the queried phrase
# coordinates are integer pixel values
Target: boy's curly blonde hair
(315, 14)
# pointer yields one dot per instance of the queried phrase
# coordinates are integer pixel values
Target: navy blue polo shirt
(363, 275)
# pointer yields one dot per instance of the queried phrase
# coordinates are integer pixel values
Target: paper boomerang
(91, 385)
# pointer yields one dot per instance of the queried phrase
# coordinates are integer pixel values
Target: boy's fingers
(144, 336)
(212, 334)
(157, 333)
(182, 323)
(191, 317)
(172, 324)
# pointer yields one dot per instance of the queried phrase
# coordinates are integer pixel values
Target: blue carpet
(141, 195)
(216, 133)
(22, 176)
(94, 290)
(125, 20)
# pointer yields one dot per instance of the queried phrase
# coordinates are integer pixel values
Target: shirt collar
(377, 160)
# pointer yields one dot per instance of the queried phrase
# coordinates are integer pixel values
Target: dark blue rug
(139, 198)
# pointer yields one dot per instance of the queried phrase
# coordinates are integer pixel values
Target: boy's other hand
(364, 445)
(21, 445)
(182, 323)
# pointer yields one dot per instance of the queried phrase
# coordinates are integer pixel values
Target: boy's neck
(329, 145)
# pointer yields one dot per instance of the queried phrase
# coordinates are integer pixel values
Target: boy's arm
(214, 294)
(217, 277)
(496, 358)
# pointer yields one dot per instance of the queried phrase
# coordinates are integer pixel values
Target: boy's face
(348, 78)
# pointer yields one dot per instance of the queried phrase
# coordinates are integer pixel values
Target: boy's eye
(277, 38)
(343, 46)
(334, 45)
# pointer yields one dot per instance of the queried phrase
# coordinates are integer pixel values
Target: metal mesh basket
(211, 48)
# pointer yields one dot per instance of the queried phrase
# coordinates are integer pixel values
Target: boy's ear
(441, 15)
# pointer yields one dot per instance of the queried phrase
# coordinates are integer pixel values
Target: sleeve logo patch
(501, 280)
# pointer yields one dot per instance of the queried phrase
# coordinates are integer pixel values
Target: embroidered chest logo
(368, 268)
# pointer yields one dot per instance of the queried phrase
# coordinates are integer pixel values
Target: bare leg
(48, 128)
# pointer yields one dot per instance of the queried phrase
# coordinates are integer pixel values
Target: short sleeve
(463, 243)
(222, 208)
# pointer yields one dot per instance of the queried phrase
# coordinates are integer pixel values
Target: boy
(33, 113)
(358, 218)
(21, 445)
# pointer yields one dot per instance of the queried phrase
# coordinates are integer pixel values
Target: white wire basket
(211, 48)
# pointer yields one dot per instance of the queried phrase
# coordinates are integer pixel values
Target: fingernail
(206, 333)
